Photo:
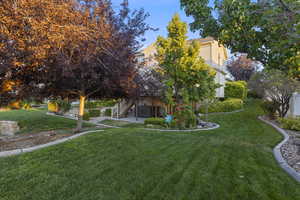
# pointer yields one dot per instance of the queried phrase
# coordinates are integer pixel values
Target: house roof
(151, 48)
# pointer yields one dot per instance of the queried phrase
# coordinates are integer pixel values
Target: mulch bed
(30, 140)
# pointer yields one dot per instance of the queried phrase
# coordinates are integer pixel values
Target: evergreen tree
(187, 77)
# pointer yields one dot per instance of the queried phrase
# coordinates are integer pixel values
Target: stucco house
(148, 102)
(211, 51)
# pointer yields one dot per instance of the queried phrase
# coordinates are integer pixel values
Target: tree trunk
(80, 113)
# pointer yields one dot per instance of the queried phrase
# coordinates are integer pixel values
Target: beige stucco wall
(214, 54)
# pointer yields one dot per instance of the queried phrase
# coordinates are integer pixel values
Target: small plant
(290, 123)
(94, 113)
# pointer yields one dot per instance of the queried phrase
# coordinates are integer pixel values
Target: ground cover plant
(233, 162)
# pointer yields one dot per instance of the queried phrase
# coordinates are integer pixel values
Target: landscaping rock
(9, 128)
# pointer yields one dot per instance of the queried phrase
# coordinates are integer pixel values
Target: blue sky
(161, 12)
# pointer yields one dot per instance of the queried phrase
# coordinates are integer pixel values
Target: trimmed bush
(236, 89)
(269, 107)
(94, 113)
(86, 116)
(290, 123)
(107, 112)
(52, 106)
(228, 105)
(155, 121)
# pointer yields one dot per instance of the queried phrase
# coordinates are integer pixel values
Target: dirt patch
(30, 140)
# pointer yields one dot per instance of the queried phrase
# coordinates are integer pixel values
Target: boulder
(9, 128)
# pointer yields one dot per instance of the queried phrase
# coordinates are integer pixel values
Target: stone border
(220, 113)
(41, 146)
(189, 130)
(277, 153)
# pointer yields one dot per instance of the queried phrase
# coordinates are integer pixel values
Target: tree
(267, 30)
(108, 61)
(274, 86)
(241, 68)
(76, 49)
(187, 77)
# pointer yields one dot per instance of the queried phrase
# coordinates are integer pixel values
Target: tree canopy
(242, 68)
(267, 30)
(70, 48)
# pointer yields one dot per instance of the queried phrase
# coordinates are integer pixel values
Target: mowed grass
(234, 162)
(36, 120)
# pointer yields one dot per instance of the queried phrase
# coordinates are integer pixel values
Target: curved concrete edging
(190, 130)
(34, 148)
(277, 153)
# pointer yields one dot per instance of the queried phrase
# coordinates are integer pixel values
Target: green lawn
(33, 121)
(234, 162)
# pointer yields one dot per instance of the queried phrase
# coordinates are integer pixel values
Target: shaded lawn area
(36, 120)
(233, 162)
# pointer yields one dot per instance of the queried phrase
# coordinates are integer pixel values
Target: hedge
(52, 106)
(155, 121)
(290, 123)
(107, 112)
(94, 113)
(236, 89)
(86, 116)
(59, 106)
(228, 105)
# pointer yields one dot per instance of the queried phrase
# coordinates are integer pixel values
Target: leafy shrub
(90, 105)
(228, 105)
(236, 89)
(15, 105)
(254, 94)
(63, 105)
(185, 117)
(86, 116)
(94, 113)
(269, 107)
(52, 106)
(155, 121)
(107, 112)
(290, 123)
